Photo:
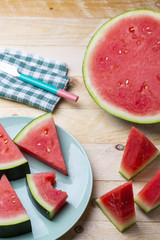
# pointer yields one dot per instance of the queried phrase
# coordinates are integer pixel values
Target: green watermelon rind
(45, 208)
(146, 208)
(116, 111)
(16, 172)
(31, 125)
(121, 228)
(15, 228)
(124, 174)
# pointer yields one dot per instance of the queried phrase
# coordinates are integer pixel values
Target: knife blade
(12, 70)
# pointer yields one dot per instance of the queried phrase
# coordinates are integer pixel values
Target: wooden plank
(98, 126)
(16, 110)
(72, 9)
(93, 126)
(100, 230)
(16, 31)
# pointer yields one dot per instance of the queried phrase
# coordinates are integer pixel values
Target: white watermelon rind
(14, 220)
(128, 177)
(110, 108)
(120, 227)
(37, 197)
(10, 165)
(15, 171)
(31, 125)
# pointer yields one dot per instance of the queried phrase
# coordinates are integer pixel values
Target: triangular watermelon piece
(118, 206)
(47, 199)
(39, 138)
(13, 217)
(149, 197)
(139, 152)
(12, 162)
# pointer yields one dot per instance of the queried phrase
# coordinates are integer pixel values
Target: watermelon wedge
(47, 199)
(13, 217)
(12, 162)
(118, 206)
(149, 197)
(39, 138)
(121, 66)
(139, 152)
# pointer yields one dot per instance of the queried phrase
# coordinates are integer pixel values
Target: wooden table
(61, 30)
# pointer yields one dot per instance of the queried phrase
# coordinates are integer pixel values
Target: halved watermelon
(39, 138)
(118, 206)
(149, 197)
(13, 217)
(47, 199)
(121, 66)
(12, 162)
(139, 152)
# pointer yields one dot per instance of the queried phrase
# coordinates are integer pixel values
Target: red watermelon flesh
(43, 192)
(149, 197)
(10, 156)
(139, 152)
(121, 66)
(118, 206)
(39, 139)
(12, 211)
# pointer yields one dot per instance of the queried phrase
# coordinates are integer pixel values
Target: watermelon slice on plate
(149, 197)
(13, 217)
(121, 66)
(139, 152)
(47, 199)
(12, 162)
(118, 206)
(39, 138)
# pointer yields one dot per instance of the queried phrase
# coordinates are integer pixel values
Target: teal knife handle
(38, 83)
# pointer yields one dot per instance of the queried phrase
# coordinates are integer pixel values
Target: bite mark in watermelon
(139, 152)
(12, 162)
(13, 217)
(121, 66)
(39, 138)
(47, 199)
(118, 206)
(149, 197)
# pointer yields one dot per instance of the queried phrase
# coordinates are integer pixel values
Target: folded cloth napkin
(46, 70)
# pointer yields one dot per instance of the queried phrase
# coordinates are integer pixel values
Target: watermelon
(47, 199)
(139, 152)
(121, 66)
(118, 206)
(13, 217)
(149, 197)
(12, 162)
(39, 138)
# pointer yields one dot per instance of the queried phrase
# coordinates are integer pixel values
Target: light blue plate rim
(85, 200)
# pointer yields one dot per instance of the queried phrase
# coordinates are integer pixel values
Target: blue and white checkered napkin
(46, 70)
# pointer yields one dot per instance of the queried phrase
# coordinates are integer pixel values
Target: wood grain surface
(61, 30)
